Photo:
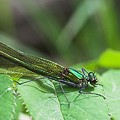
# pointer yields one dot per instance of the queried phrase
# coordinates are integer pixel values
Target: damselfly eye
(94, 81)
(92, 78)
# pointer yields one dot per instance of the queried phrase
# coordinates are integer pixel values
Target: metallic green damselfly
(69, 76)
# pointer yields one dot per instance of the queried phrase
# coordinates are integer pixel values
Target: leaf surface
(47, 102)
(110, 59)
(6, 98)
(41, 101)
(111, 82)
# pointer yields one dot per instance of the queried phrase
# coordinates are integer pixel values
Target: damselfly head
(92, 78)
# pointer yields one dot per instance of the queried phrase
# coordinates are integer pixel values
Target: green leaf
(41, 101)
(110, 59)
(111, 82)
(18, 108)
(46, 102)
(85, 107)
(6, 98)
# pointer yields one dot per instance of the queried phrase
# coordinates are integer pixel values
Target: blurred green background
(68, 32)
(79, 33)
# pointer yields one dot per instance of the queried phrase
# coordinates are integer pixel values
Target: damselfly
(69, 76)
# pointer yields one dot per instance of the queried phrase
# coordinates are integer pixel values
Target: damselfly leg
(83, 92)
(84, 70)
(64, 94)
(33, 79)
